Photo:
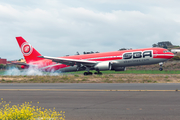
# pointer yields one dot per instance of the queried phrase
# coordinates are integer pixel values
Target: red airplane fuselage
(117, 59)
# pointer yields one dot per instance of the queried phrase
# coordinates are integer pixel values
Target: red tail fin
(30, 54)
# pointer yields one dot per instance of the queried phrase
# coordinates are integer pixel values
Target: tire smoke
(29, 72)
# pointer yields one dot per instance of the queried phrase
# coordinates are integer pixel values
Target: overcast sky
(63, 27)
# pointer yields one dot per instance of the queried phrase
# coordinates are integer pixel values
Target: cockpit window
(166, 51)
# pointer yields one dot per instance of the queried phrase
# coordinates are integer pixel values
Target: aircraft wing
(19, 63)
(24, 64)
(71, 62)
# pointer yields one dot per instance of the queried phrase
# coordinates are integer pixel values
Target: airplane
(116, 60)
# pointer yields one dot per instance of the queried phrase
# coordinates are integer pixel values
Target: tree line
(2, 66)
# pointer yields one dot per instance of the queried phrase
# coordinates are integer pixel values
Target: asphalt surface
(92, 86)
(101, 104)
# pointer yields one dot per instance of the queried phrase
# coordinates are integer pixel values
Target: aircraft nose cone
(172, 54)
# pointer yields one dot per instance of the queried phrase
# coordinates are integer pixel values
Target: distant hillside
(169, 65)
(166, 44)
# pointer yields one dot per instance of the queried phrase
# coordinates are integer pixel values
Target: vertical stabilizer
(30, 54)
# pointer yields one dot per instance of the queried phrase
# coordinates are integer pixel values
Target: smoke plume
(29, 72)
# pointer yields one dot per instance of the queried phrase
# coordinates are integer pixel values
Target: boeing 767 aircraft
(117, 60)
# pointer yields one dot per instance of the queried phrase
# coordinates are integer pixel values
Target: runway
(104, 103)
(91, 86)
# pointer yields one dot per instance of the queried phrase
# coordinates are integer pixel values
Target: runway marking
(87, 90)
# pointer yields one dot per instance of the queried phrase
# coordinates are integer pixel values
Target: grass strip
(105, 78)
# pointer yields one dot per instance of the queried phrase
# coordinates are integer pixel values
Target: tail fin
(30, 54)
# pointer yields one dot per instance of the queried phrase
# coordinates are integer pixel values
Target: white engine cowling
(103, 66)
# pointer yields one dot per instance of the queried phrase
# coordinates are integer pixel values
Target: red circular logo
(26, 49)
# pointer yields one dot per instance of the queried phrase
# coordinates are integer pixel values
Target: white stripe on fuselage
(163, 55)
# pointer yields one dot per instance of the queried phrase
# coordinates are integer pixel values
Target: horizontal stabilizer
(24, 64)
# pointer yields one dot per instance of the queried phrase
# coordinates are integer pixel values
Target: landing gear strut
(88, 73)
(161, 65)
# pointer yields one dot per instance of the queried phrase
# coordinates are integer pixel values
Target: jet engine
(103, 66)
(24, 67)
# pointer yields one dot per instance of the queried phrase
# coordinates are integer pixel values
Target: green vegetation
(176, 58)
(105, 78)
(137, 74)
(133, 72)
(2, 72)
(28, 112)
(2, 66)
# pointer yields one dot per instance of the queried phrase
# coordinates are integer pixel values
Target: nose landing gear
(161, 69)
(161, 65)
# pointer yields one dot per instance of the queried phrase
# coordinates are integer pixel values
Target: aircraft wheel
(85, 73)
(88, 73)
(161, 69)
(98, 73)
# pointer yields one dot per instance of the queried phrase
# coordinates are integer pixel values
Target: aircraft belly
(136, 62)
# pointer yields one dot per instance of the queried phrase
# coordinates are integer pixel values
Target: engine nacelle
(120, 69)
(103, 66)
(24, 67)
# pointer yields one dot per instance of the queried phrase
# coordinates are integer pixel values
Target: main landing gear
(161, 65)
(98, 73)
(90, 73)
